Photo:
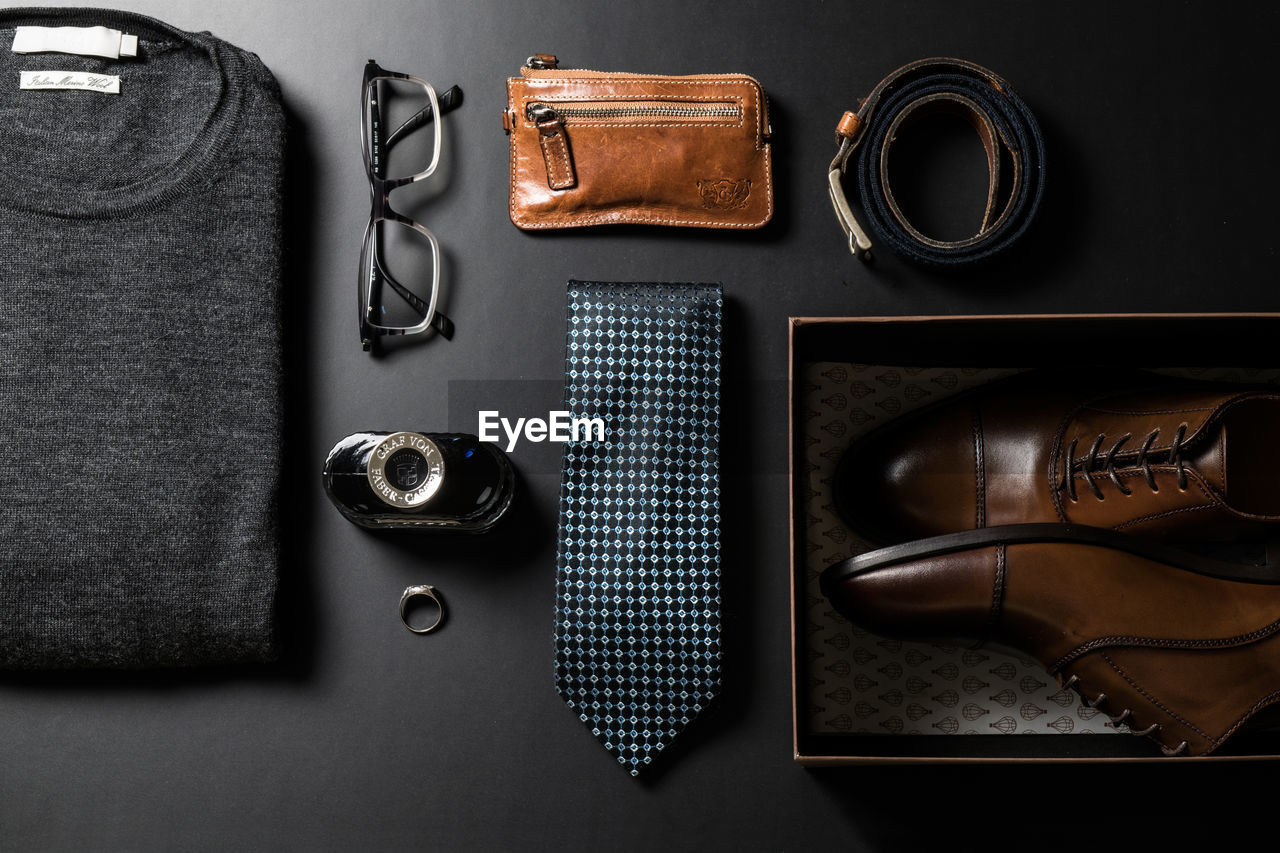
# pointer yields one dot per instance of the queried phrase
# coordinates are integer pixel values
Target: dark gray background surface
(1161, 145)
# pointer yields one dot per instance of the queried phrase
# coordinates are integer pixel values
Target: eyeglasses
(397, 249)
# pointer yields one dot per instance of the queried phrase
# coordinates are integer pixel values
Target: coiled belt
(1010, 135)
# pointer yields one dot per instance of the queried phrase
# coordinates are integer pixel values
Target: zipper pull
(542, 61)
(554, 141)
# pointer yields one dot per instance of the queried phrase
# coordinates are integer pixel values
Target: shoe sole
(1265, 573)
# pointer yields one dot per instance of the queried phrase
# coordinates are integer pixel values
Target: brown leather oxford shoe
(1158, 458)
(1178, 647)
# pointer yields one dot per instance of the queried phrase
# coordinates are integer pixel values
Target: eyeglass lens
(401, 144)
(406, 257)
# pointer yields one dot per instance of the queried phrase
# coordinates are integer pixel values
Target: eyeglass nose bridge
(380, 208)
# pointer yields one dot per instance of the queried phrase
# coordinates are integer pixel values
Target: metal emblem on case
(406, 470)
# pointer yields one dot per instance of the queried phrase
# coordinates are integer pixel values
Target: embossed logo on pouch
(724, 194)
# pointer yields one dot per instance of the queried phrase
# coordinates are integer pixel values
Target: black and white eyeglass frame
(375, 146)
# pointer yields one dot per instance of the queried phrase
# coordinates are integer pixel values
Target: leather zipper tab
(554, 141)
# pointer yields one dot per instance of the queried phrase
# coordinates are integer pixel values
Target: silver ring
(424, 591)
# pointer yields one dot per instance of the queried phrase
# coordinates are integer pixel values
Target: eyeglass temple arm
(450, 100)
(439, 321)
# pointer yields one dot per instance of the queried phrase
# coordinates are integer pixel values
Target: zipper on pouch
(553, 136)
(552, 119)
(538, 112)
(554, 142)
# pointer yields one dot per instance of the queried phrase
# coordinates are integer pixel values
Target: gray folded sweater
(140, 369)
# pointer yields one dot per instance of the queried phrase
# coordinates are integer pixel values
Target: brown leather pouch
(599, 148)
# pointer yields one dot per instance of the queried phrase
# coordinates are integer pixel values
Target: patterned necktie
(638, 576)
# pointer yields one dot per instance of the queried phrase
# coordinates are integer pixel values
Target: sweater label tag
(81, 41)
(108, 84)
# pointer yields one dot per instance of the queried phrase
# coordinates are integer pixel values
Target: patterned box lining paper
(859, 683)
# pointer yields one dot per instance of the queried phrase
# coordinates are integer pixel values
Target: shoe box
(863, 699)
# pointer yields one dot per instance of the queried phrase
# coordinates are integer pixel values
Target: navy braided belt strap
(927, 87)
(638, 575)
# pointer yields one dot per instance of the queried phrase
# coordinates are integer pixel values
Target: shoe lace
(1124, 718)
(1091, 466)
